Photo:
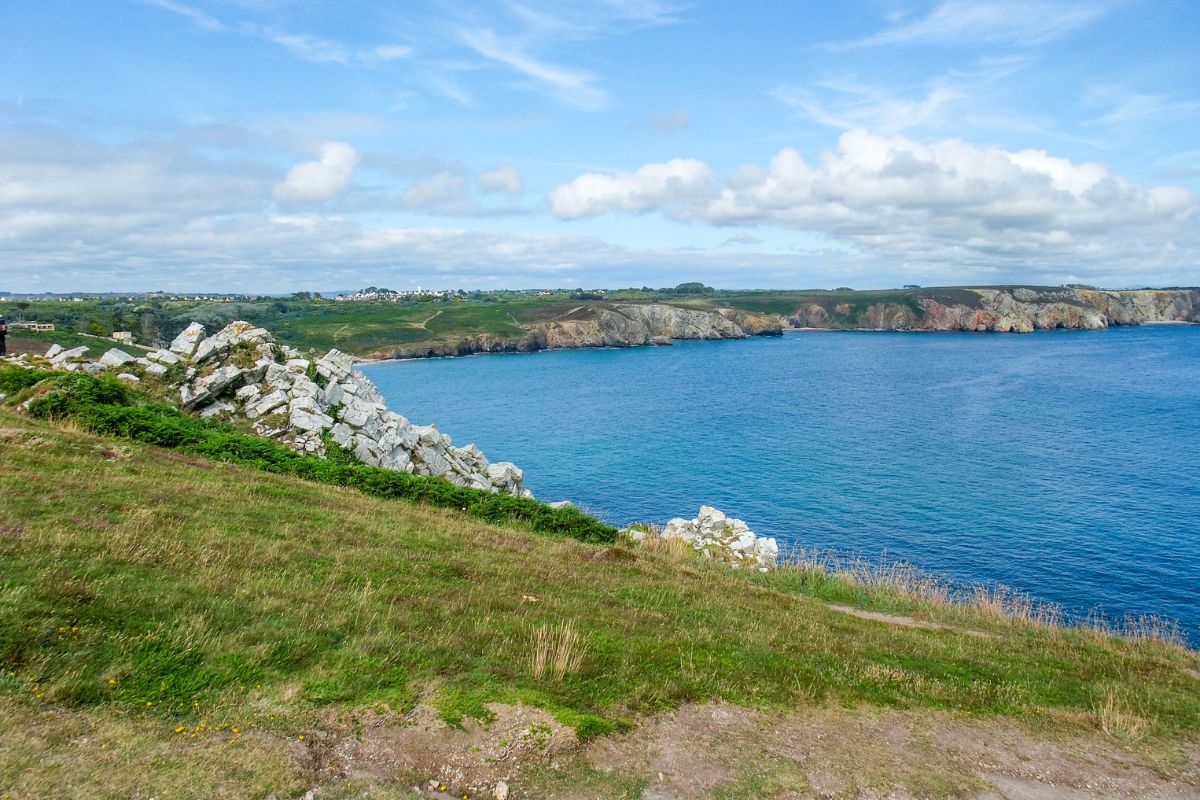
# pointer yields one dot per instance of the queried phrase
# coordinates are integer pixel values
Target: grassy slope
(143, 592)
(22, 341)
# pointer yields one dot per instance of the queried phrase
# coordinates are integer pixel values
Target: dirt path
(906, 622)
(717, 750)
(421, 325)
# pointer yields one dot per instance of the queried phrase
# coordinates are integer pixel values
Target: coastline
(783, 330)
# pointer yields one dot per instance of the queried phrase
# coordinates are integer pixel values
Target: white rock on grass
(185, 343)
(116, 358)
(128, 377)
(65, 356)
(54, 350)
(718, 536)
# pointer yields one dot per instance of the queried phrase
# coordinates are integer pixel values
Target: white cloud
(504, 178)
(572, 86)
(1125, 106)
(948, 202)
(846, 102)
(964, 22)
(680, 180)
(321, 179)
(194, 15)
(445, 192)
(310, 48)
(387, 52)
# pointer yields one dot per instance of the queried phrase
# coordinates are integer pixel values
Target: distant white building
(124, 337)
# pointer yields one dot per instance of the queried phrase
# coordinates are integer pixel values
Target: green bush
(18, 379)
(105, 406)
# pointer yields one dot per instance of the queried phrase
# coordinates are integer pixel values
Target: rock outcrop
(716, 536)
(241, 372)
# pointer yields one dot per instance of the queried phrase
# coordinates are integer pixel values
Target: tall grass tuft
(557, 651)
(996, 601)
(1116, 719)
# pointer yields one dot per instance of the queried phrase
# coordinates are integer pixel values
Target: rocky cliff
(241, 373)
(1005, 310)
(611, 325)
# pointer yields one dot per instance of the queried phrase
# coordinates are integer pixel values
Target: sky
(280, 145)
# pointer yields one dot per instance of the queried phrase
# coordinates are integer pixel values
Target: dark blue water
(1063, 464)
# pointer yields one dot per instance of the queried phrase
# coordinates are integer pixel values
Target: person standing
(3, 336)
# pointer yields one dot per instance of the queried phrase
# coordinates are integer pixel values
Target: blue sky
(270, 145)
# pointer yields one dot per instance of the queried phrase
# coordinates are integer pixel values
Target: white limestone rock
(267, 404)
(208, 387)
(64, 356)
(54, 350)
(128, 377)
(219, 409)
(335, 365)
(248, 394)
(185, 343)
(116, 358)
(305, 420)
(155, 369)
(342, 434)
(717, 536)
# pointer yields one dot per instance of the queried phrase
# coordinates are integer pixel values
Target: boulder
(116, 358)
(128, 377)
(163, 357)
(207, 387)
(185, 343)
(304, 420)
(266, 405)
(63, 356)
(341, 434)
(155, 369)
(54, 350)
(219, 409)
(248, 394)
(335, 365)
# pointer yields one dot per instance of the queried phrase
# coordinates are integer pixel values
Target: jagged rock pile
(242, 372)
(717, 536)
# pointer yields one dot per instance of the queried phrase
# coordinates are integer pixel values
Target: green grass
(187, 580)
(150, 590)
(106, 405)
(21, 340)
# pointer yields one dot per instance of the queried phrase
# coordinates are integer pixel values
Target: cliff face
(629, 324)
(612, 325)
(1017, 310)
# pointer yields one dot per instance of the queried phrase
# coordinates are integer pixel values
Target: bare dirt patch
(423, 748)
(718, 750)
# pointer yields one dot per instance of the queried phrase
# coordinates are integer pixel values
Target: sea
(1063, 464)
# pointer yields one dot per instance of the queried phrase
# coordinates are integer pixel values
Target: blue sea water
(1063, 464)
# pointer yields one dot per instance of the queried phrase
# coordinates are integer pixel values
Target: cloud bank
(949, 201)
